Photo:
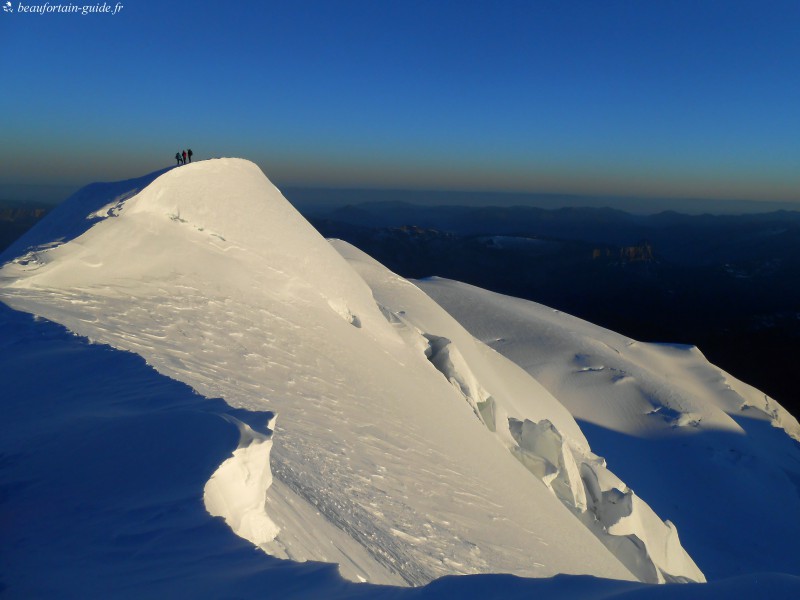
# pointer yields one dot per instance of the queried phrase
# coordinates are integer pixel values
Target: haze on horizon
(665, 100)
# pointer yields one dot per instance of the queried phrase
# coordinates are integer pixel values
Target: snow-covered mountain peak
(399, 446)
(377, 462)
(221, 220)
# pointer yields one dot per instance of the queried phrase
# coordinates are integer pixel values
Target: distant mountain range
(681, 238)
(727, 283)
(16, 219)
(311, 199)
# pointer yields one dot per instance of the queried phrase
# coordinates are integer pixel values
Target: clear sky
(643, 97)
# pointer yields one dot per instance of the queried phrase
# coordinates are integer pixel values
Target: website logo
(8, 8)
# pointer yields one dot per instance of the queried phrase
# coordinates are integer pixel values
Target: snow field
(374, 431)
(711, 454)
(211, 276)
(518, 410)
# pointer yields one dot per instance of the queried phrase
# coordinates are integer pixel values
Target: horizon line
(53, 193)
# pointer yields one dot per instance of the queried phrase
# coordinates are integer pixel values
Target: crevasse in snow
(714, 456)
(529, 422)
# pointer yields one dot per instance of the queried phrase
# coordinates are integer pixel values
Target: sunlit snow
(369, 428)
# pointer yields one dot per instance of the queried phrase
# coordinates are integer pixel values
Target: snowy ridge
(119, 535)
(700, 445)
(515, 407)
(377, 463)
(405, 448)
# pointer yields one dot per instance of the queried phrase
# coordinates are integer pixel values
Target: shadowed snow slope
(713, 455)
(361, 424)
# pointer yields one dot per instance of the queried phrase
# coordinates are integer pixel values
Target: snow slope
(377, 463)
(103, 460)
(713, 455)
(361, 424)
(536, 429)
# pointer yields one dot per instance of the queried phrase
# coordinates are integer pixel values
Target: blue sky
(648, 98)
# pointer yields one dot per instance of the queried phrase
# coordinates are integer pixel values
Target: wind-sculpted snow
(237, 490)
(377, 463)
(447, 359)
(361, 424)
(715, 456)
(101, 461)
(77, 214)
(546, 454)
(511, 404)
(102, 464)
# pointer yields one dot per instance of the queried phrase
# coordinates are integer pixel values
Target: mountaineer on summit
(189, 154)
(178, 157)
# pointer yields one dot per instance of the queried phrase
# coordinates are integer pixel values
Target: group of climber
(182, 156)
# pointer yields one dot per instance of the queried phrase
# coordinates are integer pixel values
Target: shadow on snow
(102, 467)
